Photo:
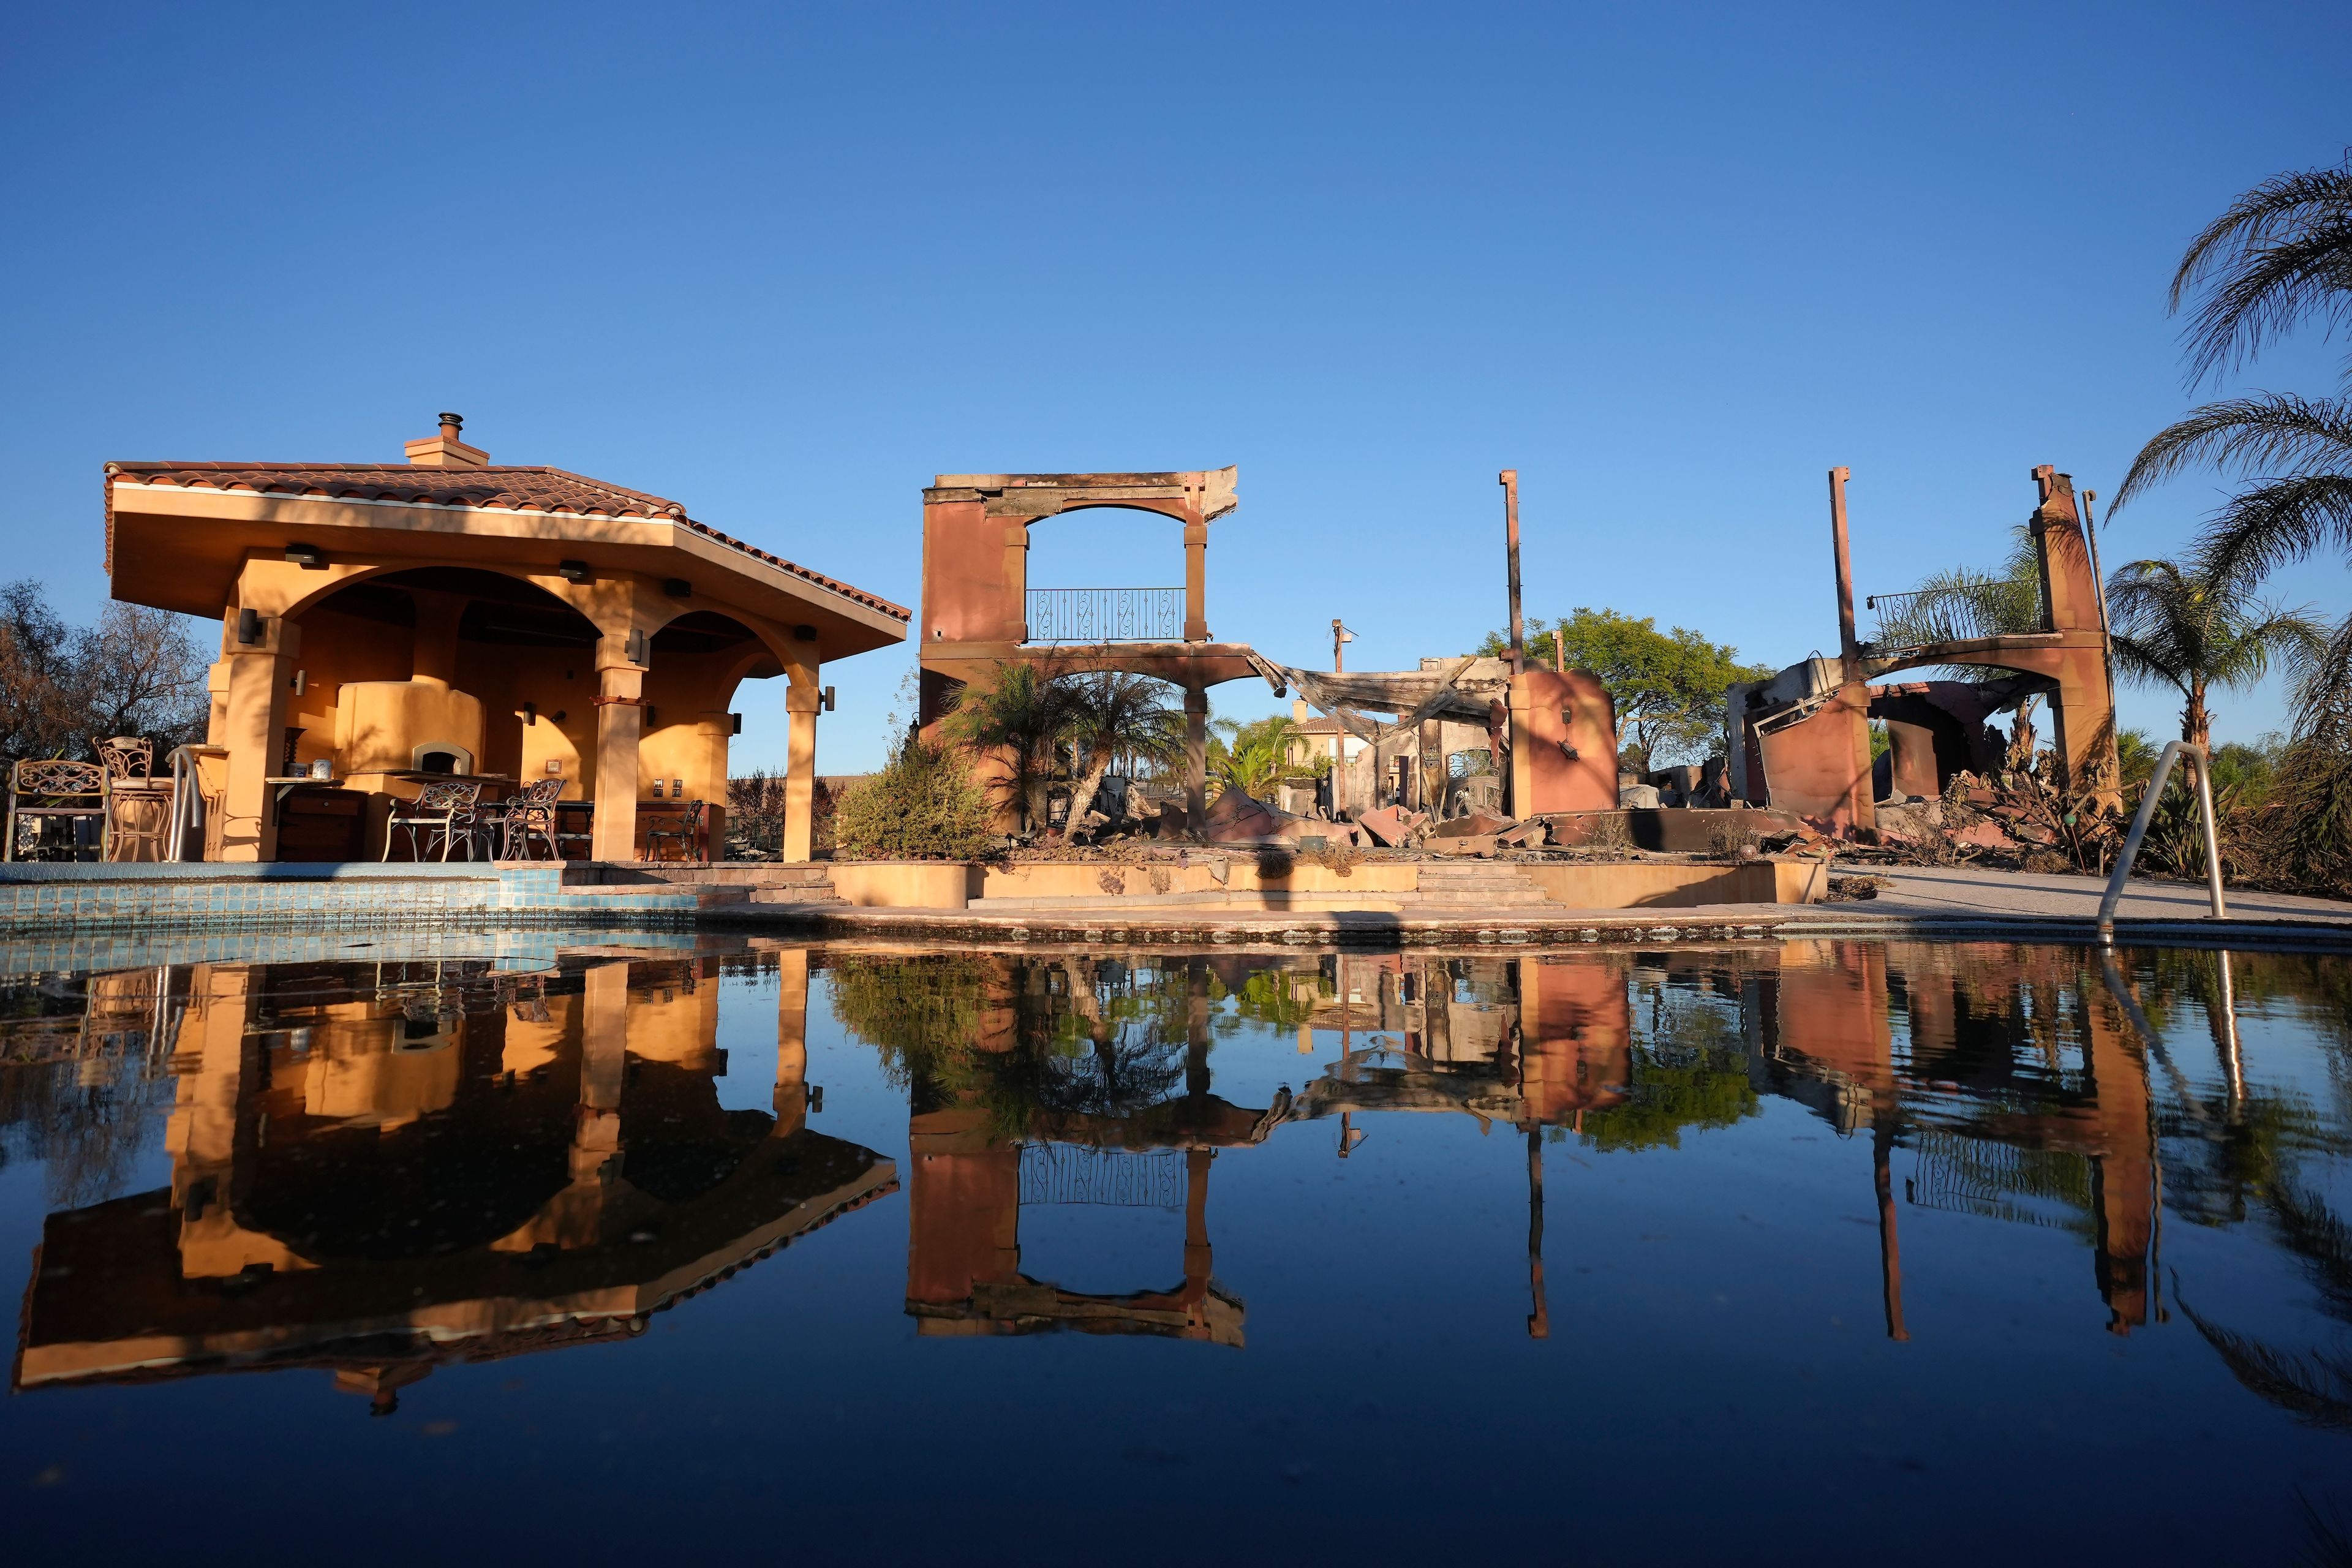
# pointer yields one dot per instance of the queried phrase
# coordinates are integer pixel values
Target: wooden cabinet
(322, 822)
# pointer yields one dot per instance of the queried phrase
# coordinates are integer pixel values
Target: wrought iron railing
(1063, 1173)
(1106, 614)
(1960, 613)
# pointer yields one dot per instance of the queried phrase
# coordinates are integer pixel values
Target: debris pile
(2015, 820)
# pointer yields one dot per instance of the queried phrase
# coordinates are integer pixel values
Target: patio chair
(40, 788)
(531, 812)
(583, 813)
(128, 757)
(449, 811)
(138, 804)
(685, 827)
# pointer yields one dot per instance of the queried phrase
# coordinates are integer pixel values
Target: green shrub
(925, 805)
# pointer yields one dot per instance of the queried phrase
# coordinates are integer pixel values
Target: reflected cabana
(378, 1169)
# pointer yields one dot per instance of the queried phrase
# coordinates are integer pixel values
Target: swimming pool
(610, 1246)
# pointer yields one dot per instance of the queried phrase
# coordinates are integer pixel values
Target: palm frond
(2281, 253)
(2269, 435)
(2259, 530)
(2316, 1389)
(2320, 1241)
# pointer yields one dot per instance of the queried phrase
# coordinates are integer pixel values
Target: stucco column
(712, 731)
(1861, 808)
(1016, 581)
(1200, 1262)
(620, 725)
(201, 1136)
(1196, 582)
(252, 726)
(433, 646)
(1196, 758)
(603, 1068)
(791, 1041)
(800, 767)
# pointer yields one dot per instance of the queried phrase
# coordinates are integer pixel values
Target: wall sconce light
(734, 724)
(301, 681)
(678, 588)
(248, 626)
(827, 700)
(575, 572)
(308, 557)
(635, 650)
(531, 712)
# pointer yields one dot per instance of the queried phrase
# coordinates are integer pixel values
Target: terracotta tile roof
(490, 489)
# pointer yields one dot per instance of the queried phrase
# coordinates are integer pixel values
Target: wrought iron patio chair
(127, 757)
(40, 788)
(582, 812)
(531, 813)
(685, 825)
(138, 804)
(448, 811)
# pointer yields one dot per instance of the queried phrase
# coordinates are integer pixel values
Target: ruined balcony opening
(1104, 575)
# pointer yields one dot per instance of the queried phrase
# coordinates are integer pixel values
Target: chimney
(446, 450)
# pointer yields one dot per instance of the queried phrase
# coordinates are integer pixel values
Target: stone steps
(713, 886)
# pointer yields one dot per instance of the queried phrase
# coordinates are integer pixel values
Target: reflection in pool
(1814, 1210)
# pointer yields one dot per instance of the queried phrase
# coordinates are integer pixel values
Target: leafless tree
(138, 671)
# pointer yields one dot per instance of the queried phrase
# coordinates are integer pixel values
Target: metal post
(2172, 749)
(2213, 842)
(1509, 480)
(2099, 578)
(2232, 1063)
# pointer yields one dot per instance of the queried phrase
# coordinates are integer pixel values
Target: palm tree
(1024, 713)
(1114, 714)
(1963, 603)
(2197, 625)
(1254, 757)
(2281, 255)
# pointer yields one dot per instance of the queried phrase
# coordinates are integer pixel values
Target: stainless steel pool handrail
(187, 799)
(2204, 768)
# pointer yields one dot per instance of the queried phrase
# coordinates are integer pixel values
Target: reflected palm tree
(2315, 1385)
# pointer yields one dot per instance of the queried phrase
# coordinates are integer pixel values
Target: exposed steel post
(1509, 480)
(1849, 646)
(2099, 579)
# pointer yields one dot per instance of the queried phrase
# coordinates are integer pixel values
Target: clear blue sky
(784, 264)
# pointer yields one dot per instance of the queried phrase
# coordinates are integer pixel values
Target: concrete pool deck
(803, 903)
(1926, 902)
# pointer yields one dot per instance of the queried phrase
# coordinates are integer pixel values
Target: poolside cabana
(385, 624)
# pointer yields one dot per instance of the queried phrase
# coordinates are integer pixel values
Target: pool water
(1764, 1252)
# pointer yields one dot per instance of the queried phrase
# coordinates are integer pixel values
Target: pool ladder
(2204, 768)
